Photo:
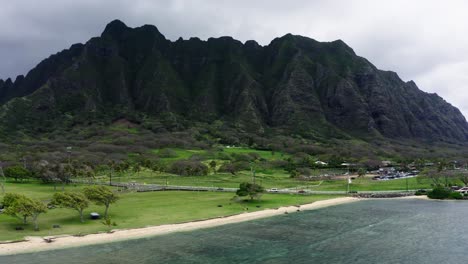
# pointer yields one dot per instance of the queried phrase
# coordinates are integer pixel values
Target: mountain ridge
(294, 85)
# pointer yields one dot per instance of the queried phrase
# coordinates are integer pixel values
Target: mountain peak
(115, 28)
(294, 85)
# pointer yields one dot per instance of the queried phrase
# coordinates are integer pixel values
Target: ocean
(369, 231)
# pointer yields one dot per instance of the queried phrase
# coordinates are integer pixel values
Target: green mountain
(293, 86)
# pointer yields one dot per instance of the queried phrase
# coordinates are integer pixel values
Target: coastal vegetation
(136, 209)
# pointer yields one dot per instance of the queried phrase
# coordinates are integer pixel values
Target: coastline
(34, 244)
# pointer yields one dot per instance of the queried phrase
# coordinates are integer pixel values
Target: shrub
(456, 196)
(17, 172)
(188, 168)
(233, 167)
(242, 157)
(228, 167)
(224, 156)
(167, 153)
(420, 192)
(254, 155)
(304, 171)
(439, 192)
(279, 164)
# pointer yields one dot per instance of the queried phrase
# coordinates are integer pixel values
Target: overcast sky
(422, 40)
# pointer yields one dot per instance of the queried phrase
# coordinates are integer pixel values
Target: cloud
(421, 40)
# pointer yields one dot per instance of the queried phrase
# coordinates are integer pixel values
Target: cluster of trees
(25, 208)
(252, 190)
(189, 168)
(444, 177)
(22, 207)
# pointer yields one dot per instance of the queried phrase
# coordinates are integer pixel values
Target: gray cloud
(422, 40)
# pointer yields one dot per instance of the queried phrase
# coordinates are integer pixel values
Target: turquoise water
(373, 231)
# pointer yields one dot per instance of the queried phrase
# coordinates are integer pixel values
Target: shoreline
(35, 244)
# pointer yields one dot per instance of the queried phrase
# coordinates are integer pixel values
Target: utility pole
(407, 183)
(349, 181)
(69, 172)
(111, 170)
(3, 180)
(69, 150)
(253, 172)
(23, 160)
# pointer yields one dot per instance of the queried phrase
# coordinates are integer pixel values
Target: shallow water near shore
(370, 231)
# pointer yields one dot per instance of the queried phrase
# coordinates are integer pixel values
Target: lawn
(270, 179)
(276, 178)
(139, 209)
(266, 154)
(179, 153)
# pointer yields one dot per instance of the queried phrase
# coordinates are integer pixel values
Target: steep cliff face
(293, 85)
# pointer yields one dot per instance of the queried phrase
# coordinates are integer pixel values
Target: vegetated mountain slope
(294, 85)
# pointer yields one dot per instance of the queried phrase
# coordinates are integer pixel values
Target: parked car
(273, 190)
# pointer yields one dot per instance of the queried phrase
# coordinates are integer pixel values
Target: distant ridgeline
(293, 86)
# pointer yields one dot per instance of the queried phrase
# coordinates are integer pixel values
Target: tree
(229, 167)
(463, 176)
(111, 164)
(17, 172)
(439, 177)
(294, 174)
(136, 169)
(72, 200)
(22, 207)
(101, 195)
(250, 189)
(48, 172)
(213, 166)
(361, 172)
(66, 172)
(108, 223)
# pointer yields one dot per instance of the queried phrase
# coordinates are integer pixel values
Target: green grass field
(273, 179)
(266, 154)
(269, 178)
(138, 210)
(276, 179)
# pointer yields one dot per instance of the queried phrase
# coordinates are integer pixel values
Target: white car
(273, 190)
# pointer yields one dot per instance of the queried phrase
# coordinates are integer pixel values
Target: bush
(439, 193)
(167, 153)
(233, 167)
(304, 171)
(456, 196)
(188, 168)
(254, 155)
(17, 172)
(278, 164)
(228, 167)
(242, 157)
(224, 156)
(420, 192)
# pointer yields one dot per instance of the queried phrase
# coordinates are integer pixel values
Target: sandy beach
(33, 244)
